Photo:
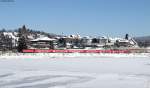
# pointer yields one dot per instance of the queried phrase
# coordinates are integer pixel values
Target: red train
(73, 51)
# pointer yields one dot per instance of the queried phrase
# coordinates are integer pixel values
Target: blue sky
(85, 17)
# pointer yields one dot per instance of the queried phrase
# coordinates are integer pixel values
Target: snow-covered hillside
(26, 71)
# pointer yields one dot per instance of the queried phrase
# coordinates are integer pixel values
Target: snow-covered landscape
(74, 71)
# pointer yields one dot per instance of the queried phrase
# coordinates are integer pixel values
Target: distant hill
(143, 41)
(29, 32)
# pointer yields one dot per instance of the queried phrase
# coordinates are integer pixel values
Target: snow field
(68, 71)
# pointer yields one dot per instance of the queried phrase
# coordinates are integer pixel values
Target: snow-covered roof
(10, 34)
(44, 39)
(123, 40)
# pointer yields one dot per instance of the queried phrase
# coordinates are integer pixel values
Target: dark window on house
(94, 40)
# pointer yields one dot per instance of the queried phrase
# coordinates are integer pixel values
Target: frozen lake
(71, 72)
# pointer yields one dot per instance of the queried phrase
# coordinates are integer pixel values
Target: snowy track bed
(74, 72)
(75, 55)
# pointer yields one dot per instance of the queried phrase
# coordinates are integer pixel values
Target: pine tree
(127, 36)
(22, 42)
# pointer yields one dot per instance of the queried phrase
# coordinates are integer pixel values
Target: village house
(42, 43)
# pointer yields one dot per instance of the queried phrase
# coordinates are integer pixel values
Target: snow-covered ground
(68, 71)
